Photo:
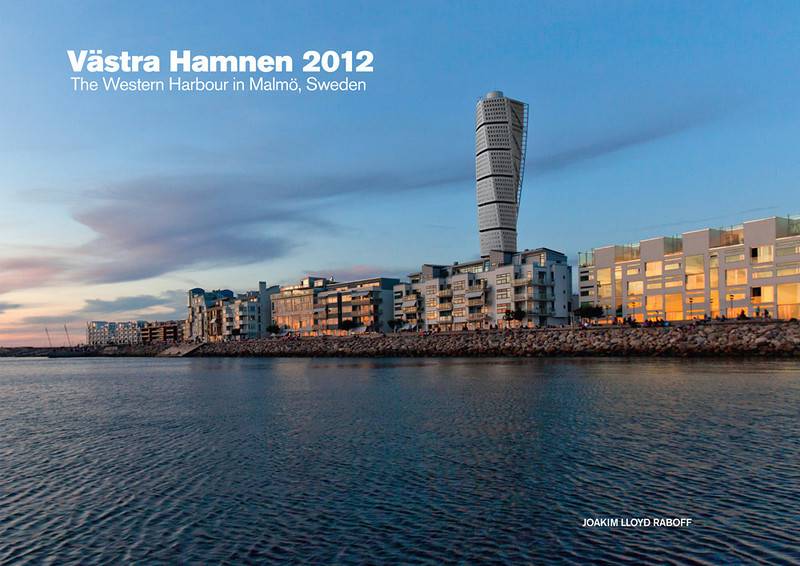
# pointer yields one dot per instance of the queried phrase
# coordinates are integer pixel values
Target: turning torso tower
(501, 129)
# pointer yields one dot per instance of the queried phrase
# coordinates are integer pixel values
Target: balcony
(524, 282)
(446, 293)
(445, 319)
(410, 309)
(445, 306)
(476, 316)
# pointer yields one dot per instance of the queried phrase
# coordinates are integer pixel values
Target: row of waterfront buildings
(752, 269)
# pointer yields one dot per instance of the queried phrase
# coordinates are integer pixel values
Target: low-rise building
(103, 333)
(162, 331)
(752, 268)
(222, 315)
(323, 306)
(533, 287)
(242, 317)
(197, 321)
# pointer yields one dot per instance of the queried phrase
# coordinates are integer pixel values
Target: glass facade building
(753, 269)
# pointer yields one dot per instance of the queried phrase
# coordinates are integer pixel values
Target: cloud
(646, 131)
(168, 305)
(8, 306)
(175, 300)
(156, 225)
(24, 272)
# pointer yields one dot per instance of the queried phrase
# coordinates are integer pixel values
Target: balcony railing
(585, 259)
(523, 282)
(446, 293)
(476, 302)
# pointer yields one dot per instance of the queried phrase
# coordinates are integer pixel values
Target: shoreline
(704, 339)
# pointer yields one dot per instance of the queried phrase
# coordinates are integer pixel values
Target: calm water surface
(346, 461)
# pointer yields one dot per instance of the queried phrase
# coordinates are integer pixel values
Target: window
(635, 287)
(672, 266)
(695, 264)
(695, 273)
(674, 306)
(788, 269)
(673, 284)
(736, 276)
(789, 300)
(761, 254)
(458, 285)
(604, 282)
(503, 279)
(655, 302)
(764, 294)
(503, 293)
(731, 258)
(785, 250)
(763, 274)
(633, 271)
(654, 285)
(653, 268)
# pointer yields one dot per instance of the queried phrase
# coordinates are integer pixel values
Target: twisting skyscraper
(501, 129)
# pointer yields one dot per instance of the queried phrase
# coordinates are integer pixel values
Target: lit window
(653, 268)
(635, 287)
(736, 276)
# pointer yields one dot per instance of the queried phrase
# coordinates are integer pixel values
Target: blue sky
(647, 118)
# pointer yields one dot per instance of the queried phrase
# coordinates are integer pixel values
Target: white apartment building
(103, 333)
(222, 315)
(501, 129)
(752, 268)
(200, 301)
(534, 284)
(320, 306)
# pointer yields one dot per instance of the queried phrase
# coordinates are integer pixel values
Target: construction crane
(48, 337)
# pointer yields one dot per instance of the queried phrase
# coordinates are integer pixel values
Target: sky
(647, 119)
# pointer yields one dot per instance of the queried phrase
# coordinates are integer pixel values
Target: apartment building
(535, 286)
(293, 305)
(221, 315)
(162, 331)
(200, 301)
(319, 306)
(103, 333)
(752, 268)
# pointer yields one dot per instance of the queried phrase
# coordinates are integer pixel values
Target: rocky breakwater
(745, 338)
